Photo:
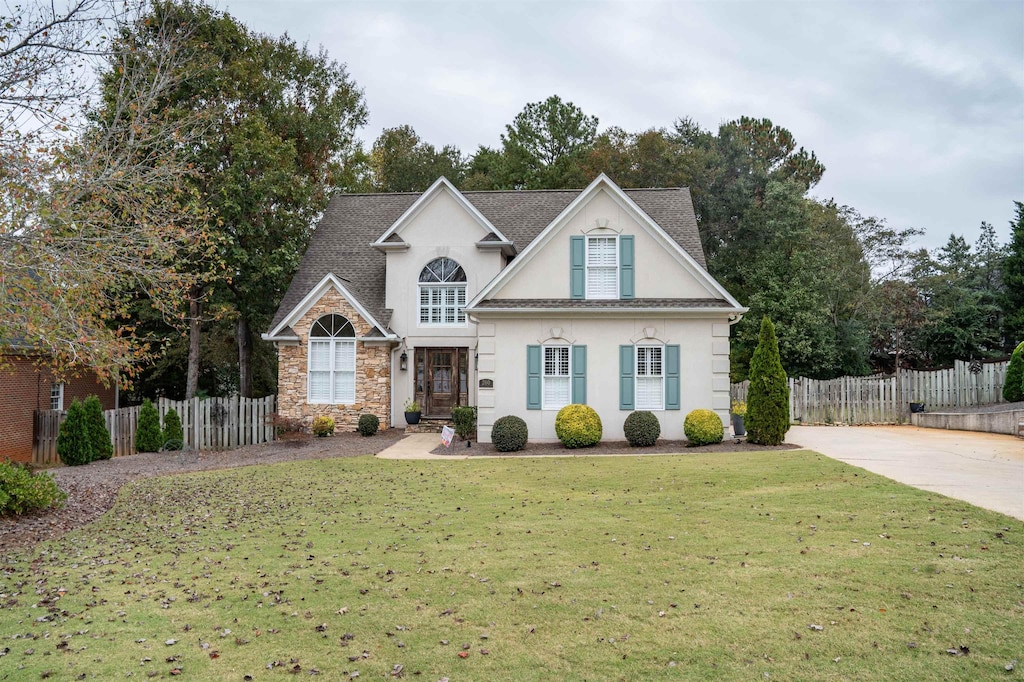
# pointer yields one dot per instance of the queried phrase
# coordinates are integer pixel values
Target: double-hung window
(57, 396)
(602, 267)
(442, 293)
(557, 387)
(332, 361)
(650, 378)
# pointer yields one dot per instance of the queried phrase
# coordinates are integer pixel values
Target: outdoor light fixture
(403, 361)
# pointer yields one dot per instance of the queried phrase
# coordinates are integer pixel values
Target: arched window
(332, 361)
(442, 293)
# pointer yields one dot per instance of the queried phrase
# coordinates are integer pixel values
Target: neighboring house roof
(342, 242)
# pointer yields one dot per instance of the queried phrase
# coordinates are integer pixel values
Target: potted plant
(916, 405)
(739, 411)
(412, 411)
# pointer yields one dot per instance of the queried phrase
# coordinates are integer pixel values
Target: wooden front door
(441, 381)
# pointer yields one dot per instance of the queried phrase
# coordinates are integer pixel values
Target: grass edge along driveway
(716, 566)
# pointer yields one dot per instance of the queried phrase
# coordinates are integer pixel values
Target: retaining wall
(1008, 422)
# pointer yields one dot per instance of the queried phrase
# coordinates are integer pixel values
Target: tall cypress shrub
(148, 436)
(74, 441)
(767, 417)
(1013, 387)
(102, 446)
(174, 436)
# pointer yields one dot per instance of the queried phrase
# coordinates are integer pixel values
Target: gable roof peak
(442, 184)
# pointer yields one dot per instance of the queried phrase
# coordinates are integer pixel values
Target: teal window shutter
(577, 267)
(579, 375)
(672, 390)
(533, 376)
(627, 369)
(626, 258)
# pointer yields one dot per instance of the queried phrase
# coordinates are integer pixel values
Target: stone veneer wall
(373, 371)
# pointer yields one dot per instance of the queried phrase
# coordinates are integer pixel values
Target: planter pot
(412, 418)
(737, 425)
(916, 407)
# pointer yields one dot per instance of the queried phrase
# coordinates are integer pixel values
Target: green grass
(696, 567)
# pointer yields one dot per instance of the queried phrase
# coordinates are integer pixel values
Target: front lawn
(773, 565)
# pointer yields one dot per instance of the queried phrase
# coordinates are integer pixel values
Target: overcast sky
(915, 108)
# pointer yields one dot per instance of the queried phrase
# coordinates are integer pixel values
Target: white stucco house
(518, 302)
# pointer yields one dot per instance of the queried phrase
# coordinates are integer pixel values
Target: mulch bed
(92, 489)
(662, 447)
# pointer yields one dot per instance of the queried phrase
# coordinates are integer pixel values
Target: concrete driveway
(985, 469)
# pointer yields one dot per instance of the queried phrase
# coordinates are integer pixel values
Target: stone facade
(373, 370)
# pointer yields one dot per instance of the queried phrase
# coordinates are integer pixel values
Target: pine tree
(1013, 387)
(102, 447)
(174, 437)
(148, 437)
(768, 399)
(74, 442)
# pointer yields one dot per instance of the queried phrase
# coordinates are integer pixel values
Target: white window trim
(586, 268)
(637, 377)
(333, 371)
(460, 309)
(60, 395)
(544, 405)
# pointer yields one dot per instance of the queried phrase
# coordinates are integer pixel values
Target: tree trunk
(243, 336)
(194, 328)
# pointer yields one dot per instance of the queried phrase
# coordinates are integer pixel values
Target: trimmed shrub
(1013, 388)
(767, 417)
(174, 436)
(578, 426)
(102, 446)
(22, 491)
(509, 434)
(148, 435)
(642, 429)
(74, 441)
(323, 426)
(368, 425)
(465, 421)
(703, 427)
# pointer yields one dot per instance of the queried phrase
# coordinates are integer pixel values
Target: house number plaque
(487, 383)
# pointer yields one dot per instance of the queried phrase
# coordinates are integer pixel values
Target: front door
(441, 380)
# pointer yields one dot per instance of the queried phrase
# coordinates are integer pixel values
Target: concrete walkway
(985, 469)
(417, 446)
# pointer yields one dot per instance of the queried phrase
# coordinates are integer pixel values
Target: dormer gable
(394, 237)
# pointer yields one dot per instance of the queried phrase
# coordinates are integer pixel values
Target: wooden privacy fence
(208, 424)
(885, 399)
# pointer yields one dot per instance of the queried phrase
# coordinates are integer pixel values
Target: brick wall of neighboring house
(24, 388)
(373, 371)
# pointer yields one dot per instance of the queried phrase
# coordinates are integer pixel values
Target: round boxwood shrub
(642, 429)
(368, 424)
(509, 434)
(578, 426)
(703, 427)
(174, 436)
(323, 426)
(1013, 389)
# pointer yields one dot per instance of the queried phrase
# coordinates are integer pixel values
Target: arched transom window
(442, 293)
(332, 361)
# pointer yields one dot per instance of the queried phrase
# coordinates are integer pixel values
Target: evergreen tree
(1013, 282)
(148, 436)
(174, 437)
(1013, 388)
(74, 442)
(768, 399)
(102, 447)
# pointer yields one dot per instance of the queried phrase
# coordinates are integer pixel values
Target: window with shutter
(650, 378)
(602, 267)
(332, 361)
(556, 382)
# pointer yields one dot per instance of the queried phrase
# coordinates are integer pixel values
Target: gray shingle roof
(575, 304)
(340, 244)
